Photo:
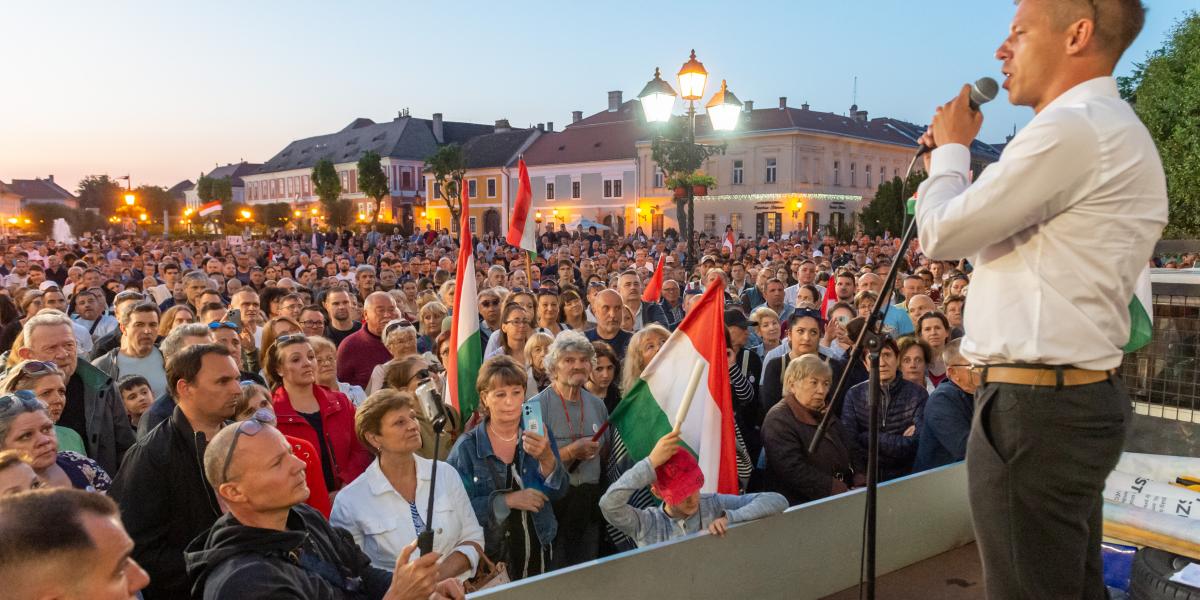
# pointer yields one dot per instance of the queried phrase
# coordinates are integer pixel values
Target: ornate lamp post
(684, 156)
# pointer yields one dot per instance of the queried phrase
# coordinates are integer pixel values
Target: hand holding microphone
(958, 121)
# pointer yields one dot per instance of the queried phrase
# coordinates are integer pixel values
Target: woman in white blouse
(386, 507)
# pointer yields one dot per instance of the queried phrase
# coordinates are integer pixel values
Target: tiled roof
(403, 138)
(496, 149)
(5, 189)
(178, 189)
(603, 136)
(39, 189)
(233, 171)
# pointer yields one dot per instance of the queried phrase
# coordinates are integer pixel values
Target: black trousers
(1037, 459)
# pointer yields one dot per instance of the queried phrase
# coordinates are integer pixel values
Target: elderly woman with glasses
(400, 337)
(49, 384)
(326, 352)
(256, 404)
(387, 507)
(309, 411)
(26, 426)
(409, 375)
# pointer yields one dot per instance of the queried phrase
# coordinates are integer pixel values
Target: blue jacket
(942, 438)
(483, 474)
(903, 402)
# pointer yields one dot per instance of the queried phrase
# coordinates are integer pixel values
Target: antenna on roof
(855, 99)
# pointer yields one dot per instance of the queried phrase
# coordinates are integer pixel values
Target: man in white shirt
(165, 290)
(1058, 230)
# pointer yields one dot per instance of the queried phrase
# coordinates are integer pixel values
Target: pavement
(953, 575)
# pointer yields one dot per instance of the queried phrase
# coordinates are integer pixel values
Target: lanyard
(567, 412)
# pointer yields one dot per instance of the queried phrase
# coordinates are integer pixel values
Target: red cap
(678, 478)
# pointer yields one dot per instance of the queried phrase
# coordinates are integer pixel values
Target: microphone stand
(425, 538)
(871, 339)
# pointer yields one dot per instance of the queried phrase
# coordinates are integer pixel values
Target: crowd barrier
(810, 551)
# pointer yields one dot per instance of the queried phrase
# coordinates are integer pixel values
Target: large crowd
(236, 417)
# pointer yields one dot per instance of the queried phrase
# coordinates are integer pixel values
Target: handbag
(488, 575)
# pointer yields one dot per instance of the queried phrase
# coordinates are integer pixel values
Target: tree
(679, 156)
(42, 216)
(99, 193)
(204, 189)
(372, 180)
(448, 165)
(886, 211)
(1165, 93)
(328, 185)
(155, 200)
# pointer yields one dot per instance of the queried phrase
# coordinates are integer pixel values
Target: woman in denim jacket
(510, 475)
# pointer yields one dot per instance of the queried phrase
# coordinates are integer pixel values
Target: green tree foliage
(448, 165)
(222, 189)
(42, 218)
(154, 200)
(100, 193)
(886, 211)
(1165, 93)
(204, 189)
(328, 186)
(676, 152)
(275, 214)
(372, 180)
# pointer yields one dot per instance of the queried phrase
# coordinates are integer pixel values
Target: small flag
(830, 298)
(210, 208)
(466, 348)
(1141, 313)
(522, 230)
(647, 411)
(728, 243)
(653, 289)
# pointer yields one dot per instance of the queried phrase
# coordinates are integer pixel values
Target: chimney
(859, 115)
(502, 125)
(614, 101)
(52, 178)
(437, 128)
(576, 116)
(541, 126)
(550, 126)
(748, 105)
(782, 102)
(804, 106)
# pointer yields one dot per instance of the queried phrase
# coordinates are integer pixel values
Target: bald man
(608, 307)
(363, 350)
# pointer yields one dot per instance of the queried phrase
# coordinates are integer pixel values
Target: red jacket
(318, 496)
(350, 459)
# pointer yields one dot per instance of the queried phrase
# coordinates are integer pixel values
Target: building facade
(788, 169)
(234, 171)
(402, 143)
(42, 191)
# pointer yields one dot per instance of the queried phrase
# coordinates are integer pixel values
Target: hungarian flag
(653, 289)
(830, 298)
(647, 411)
(521, 229)
(210, 208)
(1141, 313)
(728, 243)
(466, 349)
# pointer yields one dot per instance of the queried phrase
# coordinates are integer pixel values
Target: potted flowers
(701, 183)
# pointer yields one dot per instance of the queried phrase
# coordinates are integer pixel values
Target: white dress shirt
(1059, 230)
(380, 519)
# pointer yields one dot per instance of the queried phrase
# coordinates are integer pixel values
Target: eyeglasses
(215, 325)
(22, 398)
(313, 324)
(489, 303)
(249, 427)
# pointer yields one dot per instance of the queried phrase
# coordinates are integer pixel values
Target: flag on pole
(466, 348)
(210, 208)
(830, 298)
(1141, 313)
(653, 290)
(648, 410)
(522, 231)
(728, 243)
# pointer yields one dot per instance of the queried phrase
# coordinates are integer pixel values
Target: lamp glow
(657, 99)
(724, 109)
(692, 77)
(129, 199)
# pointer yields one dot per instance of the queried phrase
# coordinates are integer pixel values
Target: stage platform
(953, 575)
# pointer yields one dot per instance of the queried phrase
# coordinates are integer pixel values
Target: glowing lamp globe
(657, 99)
(724, 109)
(692, 77)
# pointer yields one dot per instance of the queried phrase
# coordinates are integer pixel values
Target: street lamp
(130, 199)
(723, 110)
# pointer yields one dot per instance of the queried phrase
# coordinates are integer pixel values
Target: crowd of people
(223, 418)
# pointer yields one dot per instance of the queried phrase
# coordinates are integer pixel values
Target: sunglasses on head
(215, 325)
(289, 338)
(23, 398)
(250, 427)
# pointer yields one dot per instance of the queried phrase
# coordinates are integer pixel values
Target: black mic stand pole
(871, 338)
(425, 538)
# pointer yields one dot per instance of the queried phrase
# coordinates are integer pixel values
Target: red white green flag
(653, 290)
(522, 231)
(1141, 313)
(466, 348)
(647, 412)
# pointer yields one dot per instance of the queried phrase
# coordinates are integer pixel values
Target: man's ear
(25, 353)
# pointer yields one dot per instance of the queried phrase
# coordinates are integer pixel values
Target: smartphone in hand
(531, 417)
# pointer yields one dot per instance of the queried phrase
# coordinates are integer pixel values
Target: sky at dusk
(165, 90)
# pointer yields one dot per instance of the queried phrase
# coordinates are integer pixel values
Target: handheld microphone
(984, 90)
